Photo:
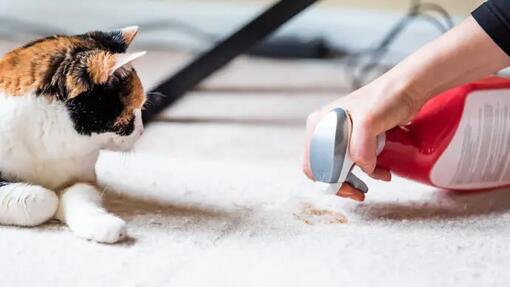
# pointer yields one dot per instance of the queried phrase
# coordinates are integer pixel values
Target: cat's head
(91, 74)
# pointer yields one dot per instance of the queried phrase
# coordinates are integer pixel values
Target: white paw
(26, 205)
(102, 227)
(42, 206)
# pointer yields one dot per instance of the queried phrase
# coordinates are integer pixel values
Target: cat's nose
(141, 130)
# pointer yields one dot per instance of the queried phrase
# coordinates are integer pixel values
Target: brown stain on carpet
(316, 216)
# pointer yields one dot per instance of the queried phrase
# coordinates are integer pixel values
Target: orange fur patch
(135, 100)
(101, 66)
(22, 70)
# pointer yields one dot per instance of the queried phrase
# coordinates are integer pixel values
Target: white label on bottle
(478, 154)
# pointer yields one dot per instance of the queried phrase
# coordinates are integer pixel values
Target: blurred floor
(214, 196)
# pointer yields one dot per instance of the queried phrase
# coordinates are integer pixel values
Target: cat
(62, 100)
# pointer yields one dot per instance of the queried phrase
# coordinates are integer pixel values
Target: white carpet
(214, 196)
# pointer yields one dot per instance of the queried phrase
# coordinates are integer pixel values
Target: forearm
(464, 54)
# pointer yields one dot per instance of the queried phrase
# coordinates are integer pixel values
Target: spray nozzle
(329, 151)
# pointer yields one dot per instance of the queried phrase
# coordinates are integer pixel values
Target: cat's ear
(125, 58)
(115, 41)
(100, 66)
(128, 34)
(103, 64)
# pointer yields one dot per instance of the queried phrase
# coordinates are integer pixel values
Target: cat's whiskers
(103, 191)
(158, 94)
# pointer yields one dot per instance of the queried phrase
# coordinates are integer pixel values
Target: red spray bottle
(459, 140)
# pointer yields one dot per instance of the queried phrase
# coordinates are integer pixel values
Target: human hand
(374, 109)
(463, 54)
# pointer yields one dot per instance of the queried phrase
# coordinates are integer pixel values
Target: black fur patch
(97, 110)
(61, 66)
(111, 41)
(50, 86)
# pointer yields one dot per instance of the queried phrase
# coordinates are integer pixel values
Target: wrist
(406, 90)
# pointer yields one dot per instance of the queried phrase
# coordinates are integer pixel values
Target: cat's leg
(25, 204)
(80, 208)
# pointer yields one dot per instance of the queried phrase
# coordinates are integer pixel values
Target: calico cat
(62, 100)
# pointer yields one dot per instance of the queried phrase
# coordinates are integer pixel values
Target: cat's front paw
(104, 227)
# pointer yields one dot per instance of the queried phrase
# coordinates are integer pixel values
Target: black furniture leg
(221, 54)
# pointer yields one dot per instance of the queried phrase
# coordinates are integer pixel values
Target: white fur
(39, 146)
(26, 205)
(80, 207)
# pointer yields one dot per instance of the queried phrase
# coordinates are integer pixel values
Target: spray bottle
(460, 140)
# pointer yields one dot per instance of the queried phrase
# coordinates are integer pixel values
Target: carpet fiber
(214, 196)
